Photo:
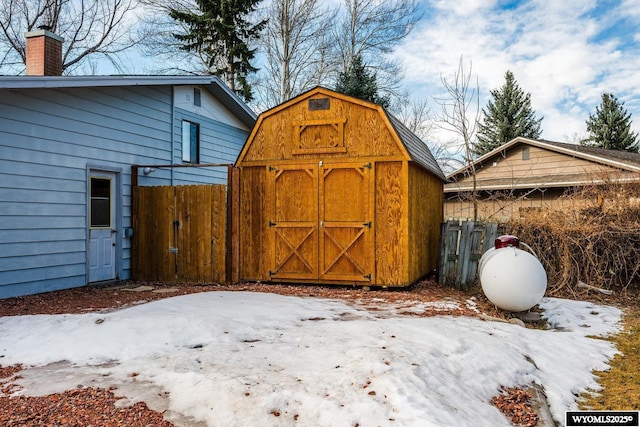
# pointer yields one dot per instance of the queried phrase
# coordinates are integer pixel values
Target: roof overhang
(211, 83)
(552, 147)
(499, 185)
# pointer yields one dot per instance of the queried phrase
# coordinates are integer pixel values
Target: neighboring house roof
(212, 84)
(417, 149)
(619, 160)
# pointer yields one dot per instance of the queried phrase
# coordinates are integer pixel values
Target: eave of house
(567, 149)
(536, 182)
(211, 83)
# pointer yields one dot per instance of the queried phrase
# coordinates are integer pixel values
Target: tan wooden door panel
(294, 228)
(346, 222)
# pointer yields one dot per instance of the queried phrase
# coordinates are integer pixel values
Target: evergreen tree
(358, 82)
(507, 116)
(610, 127)
(220, 33)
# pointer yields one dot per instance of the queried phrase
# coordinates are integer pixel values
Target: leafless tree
(91, 29)
(456, 115)
(372, 29)
(295, 48)
(419, 118)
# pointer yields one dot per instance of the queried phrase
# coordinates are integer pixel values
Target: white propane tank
(512, 279)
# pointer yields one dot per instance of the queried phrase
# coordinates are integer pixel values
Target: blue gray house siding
(52, 139)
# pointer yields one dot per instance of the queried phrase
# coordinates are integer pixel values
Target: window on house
(190, 142)
(526, 155)
(197, 97)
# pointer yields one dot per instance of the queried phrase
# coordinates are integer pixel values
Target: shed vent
(197, 97)
(319, 104)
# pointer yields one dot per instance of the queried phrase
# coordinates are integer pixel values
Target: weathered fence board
(462, 245)
(180, 234)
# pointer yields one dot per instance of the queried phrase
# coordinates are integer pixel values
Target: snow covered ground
(255, 359)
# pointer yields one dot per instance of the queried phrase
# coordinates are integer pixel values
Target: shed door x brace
(322, 225)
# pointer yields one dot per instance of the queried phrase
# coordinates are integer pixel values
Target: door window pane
(100, 202)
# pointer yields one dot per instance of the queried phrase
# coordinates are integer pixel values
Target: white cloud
(555, 50)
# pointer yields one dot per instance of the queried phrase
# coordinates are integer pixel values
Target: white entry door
(102, 229)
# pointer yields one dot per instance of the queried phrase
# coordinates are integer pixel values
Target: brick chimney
(44, 53)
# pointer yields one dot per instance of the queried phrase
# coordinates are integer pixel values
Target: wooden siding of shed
(273, 136)
(254, 245)
(391, 250)
(425, 216)
(48, 139)
(370, 142)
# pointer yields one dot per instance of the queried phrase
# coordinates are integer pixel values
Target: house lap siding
(50, 139)
(220, 143)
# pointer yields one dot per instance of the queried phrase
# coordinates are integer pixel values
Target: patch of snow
(242, 358)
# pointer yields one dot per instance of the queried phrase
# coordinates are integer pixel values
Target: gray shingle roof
(616, 155)
(618, 159)
(212, 84)
(417, 149)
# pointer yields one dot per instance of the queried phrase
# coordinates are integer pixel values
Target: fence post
(233, 225)
(449, 251)
(462, 246)
(464, 254)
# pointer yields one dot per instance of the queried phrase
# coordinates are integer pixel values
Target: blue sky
(565, 53)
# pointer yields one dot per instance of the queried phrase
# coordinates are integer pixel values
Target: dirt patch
(516, 404)
(110, 297)
(77, 407)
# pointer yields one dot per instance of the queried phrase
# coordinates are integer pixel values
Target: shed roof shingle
(417, 149)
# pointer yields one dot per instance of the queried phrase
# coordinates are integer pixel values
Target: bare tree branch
(295, 45)
(371, 29)
(455, 116)
(89, 27)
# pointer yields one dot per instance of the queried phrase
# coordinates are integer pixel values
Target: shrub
(597, 243)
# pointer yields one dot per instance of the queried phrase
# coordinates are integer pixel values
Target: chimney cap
(44, 27)
(43, 32)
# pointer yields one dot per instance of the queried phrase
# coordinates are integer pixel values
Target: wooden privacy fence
(462, 245)
(180, 234)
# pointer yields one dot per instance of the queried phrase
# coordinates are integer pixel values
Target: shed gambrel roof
(416, 148)
(212, 84)
(620, 160)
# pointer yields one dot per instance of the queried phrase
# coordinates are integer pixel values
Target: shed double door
(322, 222)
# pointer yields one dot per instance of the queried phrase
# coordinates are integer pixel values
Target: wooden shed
(334, 190)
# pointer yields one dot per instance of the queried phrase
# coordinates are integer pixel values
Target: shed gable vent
(197, 97)
(319, 104)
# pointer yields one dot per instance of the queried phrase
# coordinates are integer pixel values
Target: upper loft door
(102, 226)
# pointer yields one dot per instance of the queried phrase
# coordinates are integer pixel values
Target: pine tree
(220, 33)
(359, 83)
(610, 127)
(507, 116)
